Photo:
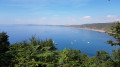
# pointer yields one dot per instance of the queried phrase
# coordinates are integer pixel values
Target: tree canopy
(115, 33)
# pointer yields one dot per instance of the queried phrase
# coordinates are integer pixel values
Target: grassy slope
(97, 26)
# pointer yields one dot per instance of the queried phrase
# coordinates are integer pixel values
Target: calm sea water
(87, 41)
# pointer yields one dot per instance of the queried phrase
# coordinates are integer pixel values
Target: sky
(59, 12)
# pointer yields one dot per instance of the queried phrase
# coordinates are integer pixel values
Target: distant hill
(101, 27)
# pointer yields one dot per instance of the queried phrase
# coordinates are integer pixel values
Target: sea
(87, 41)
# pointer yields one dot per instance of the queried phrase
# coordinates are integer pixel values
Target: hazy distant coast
(102, 31)
(100, 27)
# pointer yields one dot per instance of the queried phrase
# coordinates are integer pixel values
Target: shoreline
(102, 31)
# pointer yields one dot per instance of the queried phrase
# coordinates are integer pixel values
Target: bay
(87, 41)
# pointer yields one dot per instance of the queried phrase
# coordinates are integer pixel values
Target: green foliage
(4, 43)
(102, 56)
(4, 46)
(116, 57)
(35, 53)
(115, 32)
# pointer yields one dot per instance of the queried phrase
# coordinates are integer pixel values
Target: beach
(102, 31)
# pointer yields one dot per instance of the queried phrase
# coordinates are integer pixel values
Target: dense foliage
(4, 43)
(115, 32)
(39, 53)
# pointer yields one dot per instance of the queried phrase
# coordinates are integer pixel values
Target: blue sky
(59, 12)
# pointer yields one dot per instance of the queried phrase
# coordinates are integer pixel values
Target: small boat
(88, 42)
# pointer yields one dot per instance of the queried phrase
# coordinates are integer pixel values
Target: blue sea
(87, 41)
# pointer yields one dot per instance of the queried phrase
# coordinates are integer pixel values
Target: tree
(102, 56)
(115, 32)
(33, 53)
(4, 47)
(4, 43)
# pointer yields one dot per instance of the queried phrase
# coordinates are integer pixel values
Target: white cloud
(43, 19)
(87, 17)
(117, 19)
(111, 16)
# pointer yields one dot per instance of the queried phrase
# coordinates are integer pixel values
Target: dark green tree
(4, 43)
(115, 32)
(4, 47)
(102, 56)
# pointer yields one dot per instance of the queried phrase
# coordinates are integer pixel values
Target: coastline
(102, 31)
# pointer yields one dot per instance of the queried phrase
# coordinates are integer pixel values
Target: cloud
(86, 17)
(111, 16)
(117, 19)
(43, 18)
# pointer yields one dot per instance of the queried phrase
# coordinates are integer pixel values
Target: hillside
(101, 27)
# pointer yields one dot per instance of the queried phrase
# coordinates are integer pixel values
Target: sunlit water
(87, 41)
